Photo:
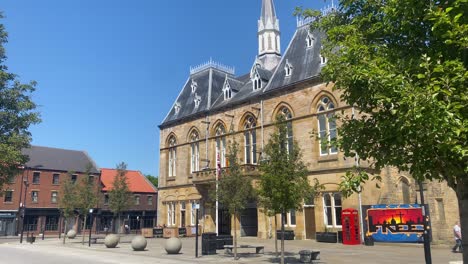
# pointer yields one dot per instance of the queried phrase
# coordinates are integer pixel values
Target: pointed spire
(268, 15)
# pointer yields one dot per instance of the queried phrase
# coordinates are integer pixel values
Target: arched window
(250, 139)
(405, 190)
(257, 82)
(194, 151)
(227, 91)
(327, 127)
(172, 156)
(220, 145)
(286, 113)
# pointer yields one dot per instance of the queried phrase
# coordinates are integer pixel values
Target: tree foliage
(403, 65)
(120, 195)
(67, 201)
(17, 114)
(87, 195)
(235, 190)
(153, 180)
(283, 185)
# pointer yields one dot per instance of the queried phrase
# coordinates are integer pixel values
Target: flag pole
(218, 166)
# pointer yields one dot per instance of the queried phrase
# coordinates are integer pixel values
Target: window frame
(334, 209)
(34, 198)
(137, 199)
(148, 199)
(327, 129)
(250, 140)
(36, 177)
(6, 196)
(172, 157)
(56, 179)
(194, 151)
(171, 214)
(220, 149)
(52, 197)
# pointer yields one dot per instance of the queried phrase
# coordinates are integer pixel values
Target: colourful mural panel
(395, 223)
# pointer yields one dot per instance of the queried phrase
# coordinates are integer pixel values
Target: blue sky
(108, 71)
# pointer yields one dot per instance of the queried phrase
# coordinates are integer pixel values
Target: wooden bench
(258, 249)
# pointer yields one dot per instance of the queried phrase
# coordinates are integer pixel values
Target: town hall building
(216, 106)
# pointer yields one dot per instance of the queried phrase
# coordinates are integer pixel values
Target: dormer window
(323, 59)
(257, 82)
(288, 69)
(197, 100)
(310, 40)
(194, 86)
(177, 108)
(227, 91)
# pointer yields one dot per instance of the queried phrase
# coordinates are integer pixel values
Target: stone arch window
(172, 156)
(405, 190)
(194, 151)
(257, 82)
(327, 126)
(250, 140)
(220, 132)
(286, 113)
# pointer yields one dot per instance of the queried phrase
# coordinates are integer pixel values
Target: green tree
(283, 184)
(16, 116)
(87, 191)
(68, 201)
(153, 180)
(119, 195)
(234, 189)
(403, 65)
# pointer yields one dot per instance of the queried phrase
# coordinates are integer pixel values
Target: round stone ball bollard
(173, 245)
(71, 234)
(139, 243)
(111, 240)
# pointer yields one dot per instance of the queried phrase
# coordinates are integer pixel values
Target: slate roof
(304, 61)
(137, 182)
(45, 158)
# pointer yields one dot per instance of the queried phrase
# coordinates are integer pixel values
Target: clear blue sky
(109, 70)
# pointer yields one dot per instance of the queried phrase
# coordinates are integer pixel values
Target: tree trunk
(235, 235)
(282, 236)
(276, 235)
(83, 231)
(462, 193)
(64, 229)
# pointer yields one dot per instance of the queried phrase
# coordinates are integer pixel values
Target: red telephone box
(350, 225)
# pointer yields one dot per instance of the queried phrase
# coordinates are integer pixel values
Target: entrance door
(249, 222)
(224, 227)
(309, 213)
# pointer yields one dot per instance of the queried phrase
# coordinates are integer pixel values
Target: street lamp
(23, 213)
(90, 225)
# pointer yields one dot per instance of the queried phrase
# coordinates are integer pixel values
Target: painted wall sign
(394, 223)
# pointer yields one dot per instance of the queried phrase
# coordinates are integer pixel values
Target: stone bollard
(173, 245)
(111, 240)
(139, 243)
(71, 234)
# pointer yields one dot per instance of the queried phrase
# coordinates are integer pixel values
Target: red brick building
(143, 210)
(35, 192)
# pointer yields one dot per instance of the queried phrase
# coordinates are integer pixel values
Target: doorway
(309, 214)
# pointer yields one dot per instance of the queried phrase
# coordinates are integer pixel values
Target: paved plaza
(51, 251)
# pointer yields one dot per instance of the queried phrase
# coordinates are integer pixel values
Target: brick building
(36, 190)
(142, 212)
(216, 106)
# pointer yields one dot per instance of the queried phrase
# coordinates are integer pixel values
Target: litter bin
(368, 241)
(209, 243)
